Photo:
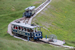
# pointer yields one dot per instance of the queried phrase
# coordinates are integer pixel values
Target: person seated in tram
(31, 30)
(15, 27)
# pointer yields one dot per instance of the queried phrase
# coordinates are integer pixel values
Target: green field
(9, 11)
(13, 9)
(15, 44)
(59, 18)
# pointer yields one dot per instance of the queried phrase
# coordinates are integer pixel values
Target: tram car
(30, 31)
(29, 11)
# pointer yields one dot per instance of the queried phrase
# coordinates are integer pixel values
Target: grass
(59, 19)
(13, 6)
(9, 11)
(6, 44)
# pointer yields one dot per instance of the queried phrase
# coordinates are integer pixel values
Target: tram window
(14, 27)
(38, 29)
(19, 28)
(31, 30)
(28, 30)
(35, 29)
(24, 29)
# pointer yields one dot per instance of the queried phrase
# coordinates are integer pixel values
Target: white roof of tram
(30, 8)
(24, 25)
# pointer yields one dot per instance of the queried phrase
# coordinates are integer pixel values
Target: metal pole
(28, 38)
(46, 36)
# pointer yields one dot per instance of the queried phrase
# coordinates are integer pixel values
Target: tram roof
(30, 8)
(24, 25)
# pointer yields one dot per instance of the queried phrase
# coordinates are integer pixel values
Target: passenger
(16, 27)
(35, 30)
(25, 29)
(31, 30)
(19, 28)
(22, 29)
(28, 30)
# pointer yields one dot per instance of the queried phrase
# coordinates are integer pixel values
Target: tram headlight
(40, 34)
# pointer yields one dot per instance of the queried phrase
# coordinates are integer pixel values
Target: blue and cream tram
(27, 30)
(29, 11)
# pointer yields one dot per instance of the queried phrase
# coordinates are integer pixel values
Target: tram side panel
(34, 35)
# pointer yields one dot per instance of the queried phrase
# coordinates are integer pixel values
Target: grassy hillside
(13, 9)
(59, 19)
(9, 11)
(16, 44)
(15, 6)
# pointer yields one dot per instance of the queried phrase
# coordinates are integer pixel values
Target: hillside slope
(13, 9)
(16, 6)
(11, 44)
(9, 11)
(58, 18)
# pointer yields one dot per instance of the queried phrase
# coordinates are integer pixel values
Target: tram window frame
(15, 26)
(36, 29)
(18, 27)
(12, 26)
(28, 30)
(25, 29)
(21, 28)
(32, 30)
